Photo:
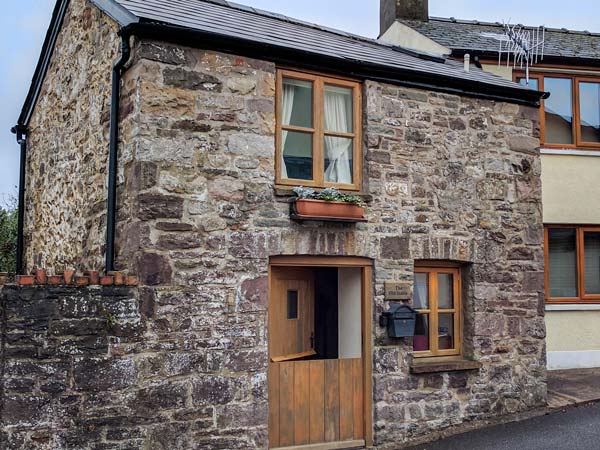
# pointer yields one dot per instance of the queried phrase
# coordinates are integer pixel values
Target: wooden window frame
(582, 297)
(318, 130)
(578, 144)
(433, 312)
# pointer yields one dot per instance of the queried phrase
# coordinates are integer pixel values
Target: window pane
(421, 291)
(338, 109)
(592, 262)
(562, 262)
(292, 305)
(297, 103)
(297, 155)
(339, 160)
(446, 332)
(589, 102)
(533, 83)
(559, 110)
(421, 339)
(445, 291)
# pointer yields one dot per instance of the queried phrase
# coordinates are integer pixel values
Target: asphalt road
(575, 429)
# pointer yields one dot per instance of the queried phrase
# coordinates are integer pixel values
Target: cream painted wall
(571, 189)
(349, 308)
(572, 330)
(403, 36)
(501, 71)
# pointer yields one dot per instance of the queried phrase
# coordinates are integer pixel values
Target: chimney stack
(391, 10)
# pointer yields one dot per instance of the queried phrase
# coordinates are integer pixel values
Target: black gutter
(21, 133)
(359, 69)
(113, 153)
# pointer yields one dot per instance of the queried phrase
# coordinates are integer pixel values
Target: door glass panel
(297, 103)
(559, 110)
(592, 262)
(338, 160)
(533, 83)
(421, 291)
(292, 305)
(589, 105)
(421, 338)
(297, 155)
(445, 291)
(338, 109)
(562, 262)
(446, 332)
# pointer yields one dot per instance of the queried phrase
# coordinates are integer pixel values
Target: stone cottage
(164, 138)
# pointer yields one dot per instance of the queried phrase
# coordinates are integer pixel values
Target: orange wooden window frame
(433, 312)
(576, 108)
(318, 130)
(582, 296)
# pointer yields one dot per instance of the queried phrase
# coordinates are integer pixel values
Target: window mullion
(576, 112)
(433, 318)
(457, 313)
(318, 138)
(581, 262)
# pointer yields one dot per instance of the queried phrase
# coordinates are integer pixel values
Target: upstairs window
(318, 131)
(570, 118)
(572, 264)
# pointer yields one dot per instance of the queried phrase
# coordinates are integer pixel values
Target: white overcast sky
(23, 25)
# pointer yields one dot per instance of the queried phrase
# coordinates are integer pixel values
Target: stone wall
(68, 146)
(452, 178)
(65, 381)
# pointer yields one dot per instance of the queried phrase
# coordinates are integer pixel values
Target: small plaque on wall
(396, 291)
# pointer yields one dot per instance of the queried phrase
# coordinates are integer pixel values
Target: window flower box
(329, 204)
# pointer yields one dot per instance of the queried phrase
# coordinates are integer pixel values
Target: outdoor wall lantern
(399, 320)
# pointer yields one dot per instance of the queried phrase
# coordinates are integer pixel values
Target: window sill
(436, 365)
(570, 151)
(573, 306)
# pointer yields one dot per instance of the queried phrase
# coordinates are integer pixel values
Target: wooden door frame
(366, 265)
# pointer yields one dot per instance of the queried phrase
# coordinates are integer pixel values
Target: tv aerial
(522, 47)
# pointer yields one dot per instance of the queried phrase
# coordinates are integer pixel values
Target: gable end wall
(68, 146)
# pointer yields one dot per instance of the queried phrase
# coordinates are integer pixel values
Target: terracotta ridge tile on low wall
(69, 277)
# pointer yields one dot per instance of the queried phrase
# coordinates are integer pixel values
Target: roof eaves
(58, 15)
(118, 13)
(316, 61)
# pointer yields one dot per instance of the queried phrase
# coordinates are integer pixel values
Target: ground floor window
(437, 300)
(572, 264)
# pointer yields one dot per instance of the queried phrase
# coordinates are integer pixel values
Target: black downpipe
(21, 133)
(113, 154)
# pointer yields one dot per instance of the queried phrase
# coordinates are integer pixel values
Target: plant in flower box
(328, 203)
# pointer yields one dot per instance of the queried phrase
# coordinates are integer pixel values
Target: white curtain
(288, 106)
(420, 291)
(338, 150)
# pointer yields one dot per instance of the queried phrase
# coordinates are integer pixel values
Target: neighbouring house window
(572, 264)
(570, 117)
(318, 131)
(437, 300)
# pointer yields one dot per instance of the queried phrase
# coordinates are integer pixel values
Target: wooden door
(311, 401)
(291, 314)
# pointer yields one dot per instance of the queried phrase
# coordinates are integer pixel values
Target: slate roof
(467, 35)
(280, 39)
(233, 20)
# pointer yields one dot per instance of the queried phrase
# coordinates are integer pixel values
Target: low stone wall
(65, 382)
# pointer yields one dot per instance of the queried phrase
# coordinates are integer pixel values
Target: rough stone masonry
(447, 178)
